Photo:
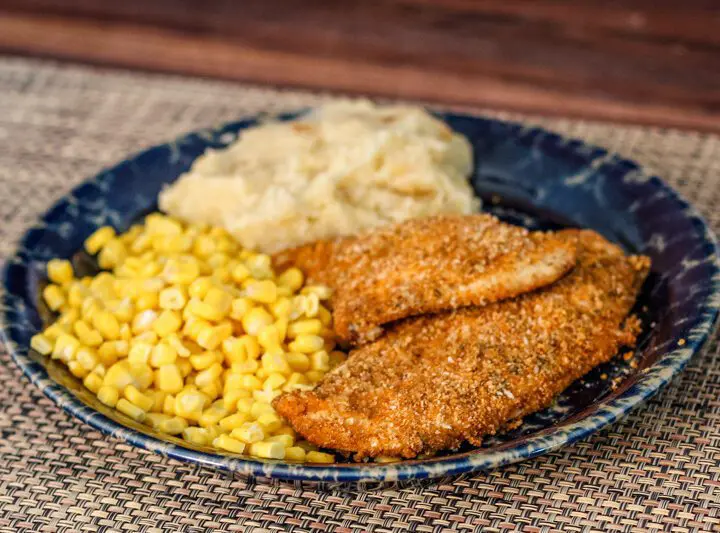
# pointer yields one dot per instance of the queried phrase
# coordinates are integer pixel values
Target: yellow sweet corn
(130, 409)
(101, 236)
(248, 432)
(224, 442)
(319, 457)
(60, 271)
(41, 344)
(54, 297)
(267, 450)
(187, 331)
(108, 395)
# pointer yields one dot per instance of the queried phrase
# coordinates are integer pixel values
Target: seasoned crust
(427, 266)
(433, 382)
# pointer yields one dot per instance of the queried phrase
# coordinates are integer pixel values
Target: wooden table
(643, 61)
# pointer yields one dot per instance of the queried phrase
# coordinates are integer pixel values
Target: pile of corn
(192, 335)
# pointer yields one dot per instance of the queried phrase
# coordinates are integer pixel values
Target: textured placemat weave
(658, 470)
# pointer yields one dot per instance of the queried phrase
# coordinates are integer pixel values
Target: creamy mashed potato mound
(345, 167)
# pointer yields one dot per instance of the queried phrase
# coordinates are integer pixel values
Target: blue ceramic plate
(525, 175)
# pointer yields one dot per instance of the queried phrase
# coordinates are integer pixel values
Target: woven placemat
(657, 470)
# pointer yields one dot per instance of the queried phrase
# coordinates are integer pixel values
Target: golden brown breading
(433, 382)
(426, 266)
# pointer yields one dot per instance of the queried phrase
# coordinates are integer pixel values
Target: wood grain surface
(655, 62)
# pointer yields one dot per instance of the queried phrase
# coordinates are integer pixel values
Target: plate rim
(654, 378)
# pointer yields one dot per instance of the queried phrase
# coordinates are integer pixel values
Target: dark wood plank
(637, 60)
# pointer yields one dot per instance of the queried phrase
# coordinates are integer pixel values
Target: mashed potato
(341, 169)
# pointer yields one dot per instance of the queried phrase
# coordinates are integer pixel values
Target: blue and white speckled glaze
(532, 171)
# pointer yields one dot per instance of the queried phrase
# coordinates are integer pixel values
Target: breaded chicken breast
(433, 382)
(426, 266)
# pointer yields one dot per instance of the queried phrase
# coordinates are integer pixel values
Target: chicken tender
(433, 382)
(427, 266)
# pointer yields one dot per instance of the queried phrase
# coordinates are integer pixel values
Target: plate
(525, 175)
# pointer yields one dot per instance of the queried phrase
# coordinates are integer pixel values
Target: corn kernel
(65, 348)
(274, 381)
(320, 361)
(54, 297)
(131, 410)
(307, 446)
(267, 450)
(118, 375)
(260, 266)
(310, 326)
(181, 271)
(173, 426)
(107, 354)
(168, 322)
(240, 307)
(286, 440)
(245, 367)
(209, 338)
(324, 316)
(229, 444)
(281, 307)
(202, 361)
(292, 278)
(311, 305)
(276, 362)
(112, 254)
(77, 370)
(86, 358)
(248, 432)
(196, 435)
(41, 344)
(134, 396)
(108, 395)
(60, 271)
(142, 375)
(321, 291)
(101, 236)
(232, 397)
(162, 354)
(169, 379)
(123, 310)
(157, 223)
(269, 421)
(140, 353)
(173, 298)
(269, 338)
(189, 404)
(294, 453)
(93, 382)
(169, 405)
(106, 323)
(299, 362)
(319, 457)
(184, 366)
(295, 381)
(209, 375)
(155, 419)
(213, 414)
(307, 343)
(256, 319)
(144, 321)
(315, 376)
(86, 334)
(231, 422)
(264, 291)
(54, 331)
(158, 398)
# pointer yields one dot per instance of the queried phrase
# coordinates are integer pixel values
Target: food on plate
(435, 381)
(428, 265)
(191, 334)
(343, 168)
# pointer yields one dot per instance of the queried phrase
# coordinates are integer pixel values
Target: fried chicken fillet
(428, 265)
(433, 382)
